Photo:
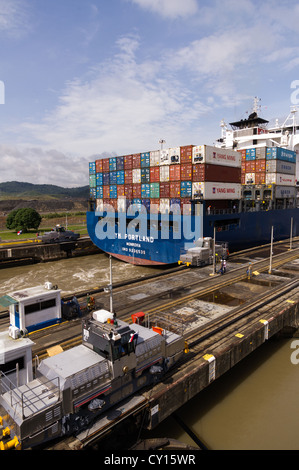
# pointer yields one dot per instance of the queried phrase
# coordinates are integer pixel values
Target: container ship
(149, 208)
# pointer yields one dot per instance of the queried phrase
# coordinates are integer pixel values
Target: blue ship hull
(240, 230)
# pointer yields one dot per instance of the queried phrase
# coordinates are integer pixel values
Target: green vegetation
(23, 219)
(18, 189)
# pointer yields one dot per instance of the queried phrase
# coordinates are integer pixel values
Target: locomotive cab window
(31, 308)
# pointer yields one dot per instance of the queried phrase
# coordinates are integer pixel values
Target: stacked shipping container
(268, 165)
(160, 178)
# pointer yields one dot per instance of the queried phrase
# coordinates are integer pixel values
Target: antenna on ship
(161, 142)
(256, 106)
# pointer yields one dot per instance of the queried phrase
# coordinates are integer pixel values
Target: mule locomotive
(72, 389)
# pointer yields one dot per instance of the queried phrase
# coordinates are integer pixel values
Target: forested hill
(18, 189)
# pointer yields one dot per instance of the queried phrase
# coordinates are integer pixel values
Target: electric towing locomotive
(70, 390)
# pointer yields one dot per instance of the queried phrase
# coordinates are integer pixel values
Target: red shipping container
(243, 178)
(111, 202)
(120, 190)
(164, 190)
(186, 172)
(260, 178)
(218, 173)
(260, 166)
(250, 166)
(243, 154)
(243, 167)
(128, 162)
(99, 166)
(128, 190)
(174, 172)
(155, 205)
(136, 160)
(128, 176)
(136, 190)
(186, 153)
(106, 192)
(175, 189)
(106, 164)
(154, 174)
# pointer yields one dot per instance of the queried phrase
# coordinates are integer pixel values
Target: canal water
(255, 406)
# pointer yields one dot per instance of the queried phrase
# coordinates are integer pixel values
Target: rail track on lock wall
(68, 334)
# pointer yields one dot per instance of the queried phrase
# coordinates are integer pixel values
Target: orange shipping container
(136, 190)
(174, 172)
(186, 153)
(186, 172)
(250, 166)
(175, 189)
(260, 166)
(260, 178)
(99, 166)
(128, 191)
(106, 192)
(128, 176)
(136, 161)
(164, 190)
(128, 162)
(106, 164)
(120, 190)
(154, 174)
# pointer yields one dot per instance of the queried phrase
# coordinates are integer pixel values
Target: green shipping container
(155, 190)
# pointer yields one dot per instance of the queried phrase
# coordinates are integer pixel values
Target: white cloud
(123, 107)
(169, 8)
(14, 17)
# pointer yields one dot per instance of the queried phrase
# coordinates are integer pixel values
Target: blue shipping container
(145, 159)
(92, 168)
(106, 179)
(113, 191)
(99, 192)
(120, 177)
(145, 175)
(186, 188)
(120, 163)
(113, 177)
(250, 154)
(112, 164)
(147, 204)
(93, 192)
(99, 178)
(278, 153)
(145, 190)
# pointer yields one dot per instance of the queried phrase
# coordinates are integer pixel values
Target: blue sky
(84, 78)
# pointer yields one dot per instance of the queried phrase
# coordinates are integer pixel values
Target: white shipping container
(164, 206)
(164, 173)
(283, 192)
(136, 175)
(216, 156)
(280, 178)
(174, 155)
(249, 178)
(280, 166)
(212, 190)
(122, 204)
(260, 153)
(100, 205)
(164, 157)
(155, 158)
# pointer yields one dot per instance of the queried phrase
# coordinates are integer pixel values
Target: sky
(85, 79)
